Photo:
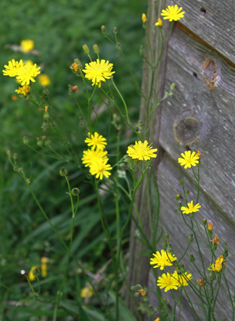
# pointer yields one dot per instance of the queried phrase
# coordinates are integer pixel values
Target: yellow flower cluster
(24, 72)
(95, 158)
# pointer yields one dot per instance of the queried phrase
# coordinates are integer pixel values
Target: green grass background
(59, 29)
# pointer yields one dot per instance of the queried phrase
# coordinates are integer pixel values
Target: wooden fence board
(201, 118)
(213, 21)
(168, 174)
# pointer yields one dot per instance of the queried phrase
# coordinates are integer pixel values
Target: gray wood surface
(213, 21)
(200, 118)
(168, 174)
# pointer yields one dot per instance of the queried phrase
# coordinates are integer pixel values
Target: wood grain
(213, 112)
(168, 174)
(213, 21)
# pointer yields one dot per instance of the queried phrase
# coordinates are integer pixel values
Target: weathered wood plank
(213, 21)
(168, 174)
(201, 118)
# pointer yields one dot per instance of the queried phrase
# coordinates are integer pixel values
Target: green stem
(184, 252)
(124, 103)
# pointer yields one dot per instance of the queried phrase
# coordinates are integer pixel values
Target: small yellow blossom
(44, 80)
(23, 91)
(28, 73)
(98, 71)
(182, 278)
(217, 267)
(215, 240)
(142, 292)
(210, 226)
(13, 68)
(87, 292)
(198, 154)
(27, 45)
(191, 208)
(162, 259)
(167, 281)
(74, 67)
(141, 151)
(144, 18)
(189, 159)
(159, 23)
(172, 13)
(96, 141)
(32, 277)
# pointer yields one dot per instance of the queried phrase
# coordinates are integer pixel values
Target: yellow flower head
(142, 292)
(90, 156)
(98, 71)
(189, 159)
(44, 80)
(27, 45)
(168, 282)
(182, 278)
(28, 73)
(217, 267)
(191, 208)
(87, 292)
(162, 259)
(158, 319)
(74, 67)
(141, 151)
(96, 141)
(172, 13)
(13, 68)
(210, 227)
(100, 168)
(159, 23)
(144, 18)
(215, 240)
(32, 277)
(23, 91)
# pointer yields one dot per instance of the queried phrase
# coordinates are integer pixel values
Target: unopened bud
(103, 30)
(177, 197)
(25, 140)
(85, 49)
(187, 193)
(141, 51)
(78, 62)
(36, 272)
(172, 87)
(182, 269)
(191, 258)
(166, 236)
(47, 143)
(15, 156)
(212, 276)
(204, 221)
(96, 48)
(75, 191)
(181, 181)
(169, 249)
(225, 254)
(190, 238)
(8, 152)
(164, 245)
(63, 172)
(39, 142)
(115, 30)
(225, 245)
(210, 227)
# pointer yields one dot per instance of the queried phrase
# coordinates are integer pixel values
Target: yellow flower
(144, 18)
(189, 159)
(182, 278)
(23, 91)
(168, 282)
(162, 259)
(217, 267)
(142, 292)
(44, 261)
(74, 67)
(191, 208)
(32, 277)
(90, 156)
(100, 168)
(27, 45)
(44, 80)
(172, 13)
(158, 319)
(13, 68)
(87, 292)
(96, 140)
(159, 23)
(98, 71)
(28, 73)
(215, 240)
(141, 151)
(210, 226)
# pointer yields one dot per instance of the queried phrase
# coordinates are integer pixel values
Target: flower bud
(210, 227)
(96, 48)
(225, 245)
(177, 197)
(63, 172)
(144, 18)
(191, 258)
(166, 236)
(204, 221)
(182, 269)
(225, 254)
(164, 245)
(170, 249)
(103, 30)
(181, 182)
(75, 191)
(212, 276)
(25, 140)
(15, 156)
(47, 143)
(39, 142)
(36, 272)
(190, 238)
(8, 152)
(85, 49)
(115, 30)
(141, 51)
(172, 86)
(187, 193)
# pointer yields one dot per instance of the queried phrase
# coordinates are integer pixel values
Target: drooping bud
(63, 172)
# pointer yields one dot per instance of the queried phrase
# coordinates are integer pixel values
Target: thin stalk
(185, 252)
(124, 103)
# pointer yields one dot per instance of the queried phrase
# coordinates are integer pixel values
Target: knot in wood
(186, 130)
